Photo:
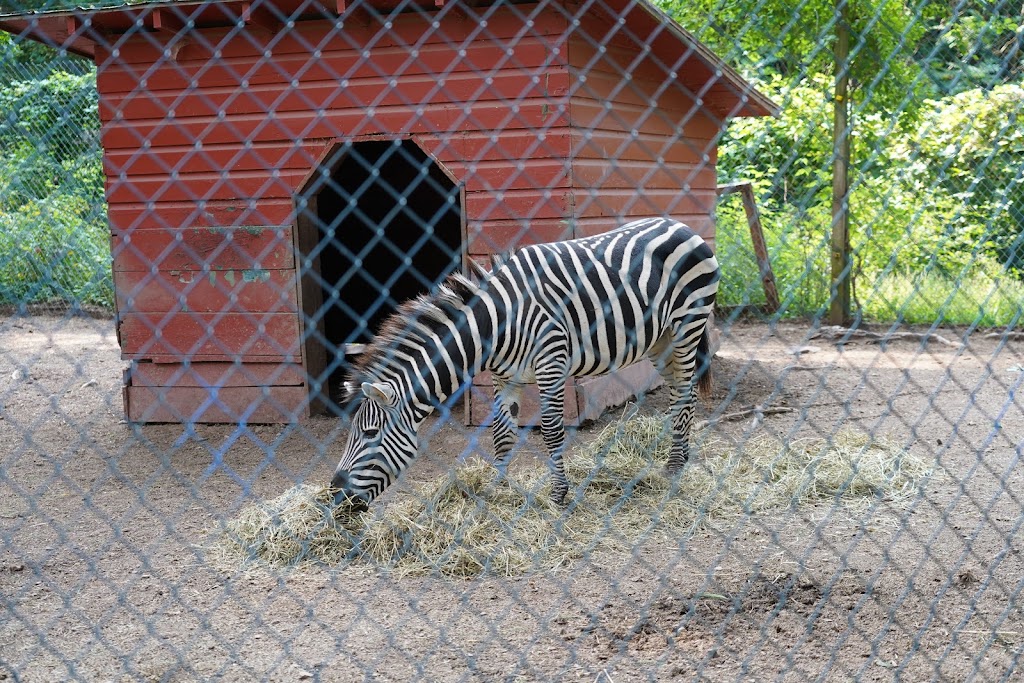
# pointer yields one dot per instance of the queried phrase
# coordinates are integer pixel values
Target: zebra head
(380, 444)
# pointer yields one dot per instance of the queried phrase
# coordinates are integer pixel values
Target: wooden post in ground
(764, 264)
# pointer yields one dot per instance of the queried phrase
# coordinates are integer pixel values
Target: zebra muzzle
(343, 494)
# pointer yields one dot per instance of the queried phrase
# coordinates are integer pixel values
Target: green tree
(49, 132)
(54, 240)
(793, 39)
(971, 44)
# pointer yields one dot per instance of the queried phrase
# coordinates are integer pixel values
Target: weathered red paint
(272, 291)
(213, 374)
(216, 404)
(556, 120)
(246, 247)
(178, 335)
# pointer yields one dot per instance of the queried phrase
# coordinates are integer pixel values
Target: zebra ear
(380, 393)
(350, 390)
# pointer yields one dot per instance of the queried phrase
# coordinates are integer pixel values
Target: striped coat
(548, 312)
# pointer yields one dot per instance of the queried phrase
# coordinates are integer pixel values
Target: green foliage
(25, 60)
(788, 158)
(798, 250)
(928, 298)
(54, 240)
(55, 248)
(794, 39)
(936, 199)
(975, 137)
(977, 45)
(56, 115)
(936, 158)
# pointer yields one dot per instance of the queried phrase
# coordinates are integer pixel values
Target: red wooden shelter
(257, 153)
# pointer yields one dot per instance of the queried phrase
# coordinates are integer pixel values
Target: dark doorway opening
(389, 228)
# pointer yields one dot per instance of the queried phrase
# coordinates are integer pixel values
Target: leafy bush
(54, 239)
(976, 142)
(936, 197)
(55, 248)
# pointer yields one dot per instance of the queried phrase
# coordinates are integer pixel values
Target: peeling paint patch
(254, 275)
(254, 230)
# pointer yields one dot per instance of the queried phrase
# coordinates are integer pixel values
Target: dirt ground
(105, 572)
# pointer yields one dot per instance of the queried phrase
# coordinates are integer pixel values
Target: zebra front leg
(505, 423)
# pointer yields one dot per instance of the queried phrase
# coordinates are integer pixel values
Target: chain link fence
(207, 210)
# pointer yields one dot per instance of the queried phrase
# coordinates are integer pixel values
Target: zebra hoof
(558, 497)
(673, 470)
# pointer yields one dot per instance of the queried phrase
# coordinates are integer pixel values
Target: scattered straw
(471, 521)
(298, 525)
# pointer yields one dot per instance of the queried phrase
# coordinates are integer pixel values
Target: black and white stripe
(578, 308)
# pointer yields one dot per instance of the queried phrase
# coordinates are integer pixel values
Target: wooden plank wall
(207, 141)
(643, 144)
(640, 145)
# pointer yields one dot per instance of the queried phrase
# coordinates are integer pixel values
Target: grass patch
(929, 298)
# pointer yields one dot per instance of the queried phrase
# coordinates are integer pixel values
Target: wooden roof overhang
(79, 30)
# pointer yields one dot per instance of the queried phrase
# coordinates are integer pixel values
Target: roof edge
(751, 102)
(746, 90)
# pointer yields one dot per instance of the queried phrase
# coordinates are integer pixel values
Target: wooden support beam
(73, 25)
(842, 270)
(165, 20)
(76, 25)
(260, 17)
(764, 263)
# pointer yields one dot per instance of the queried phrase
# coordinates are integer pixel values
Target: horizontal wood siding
(209, 140)
(248, 247)
(643, 144)
(176, 335)
(218, 213)
(566, 126)
(216, 374)
(215, 392)
(192, 291)
(232, 405)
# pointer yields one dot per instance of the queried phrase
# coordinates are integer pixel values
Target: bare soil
(105, 531)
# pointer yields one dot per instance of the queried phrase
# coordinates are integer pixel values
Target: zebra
(547, 312)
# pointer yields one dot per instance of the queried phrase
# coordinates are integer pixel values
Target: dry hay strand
(474, 521)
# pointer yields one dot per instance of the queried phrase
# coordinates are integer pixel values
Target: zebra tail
(703, 369)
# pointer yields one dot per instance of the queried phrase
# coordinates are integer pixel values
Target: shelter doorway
(388, 227)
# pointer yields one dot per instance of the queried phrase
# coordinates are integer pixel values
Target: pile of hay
(301, 524)
(472, 521)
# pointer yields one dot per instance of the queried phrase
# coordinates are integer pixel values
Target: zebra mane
(429, 311)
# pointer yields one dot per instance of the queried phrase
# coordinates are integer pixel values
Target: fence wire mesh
(208, 210)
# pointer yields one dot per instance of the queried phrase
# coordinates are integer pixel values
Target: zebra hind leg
(682, 423)
(678, 401)
(679, 375)
(552, 427)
